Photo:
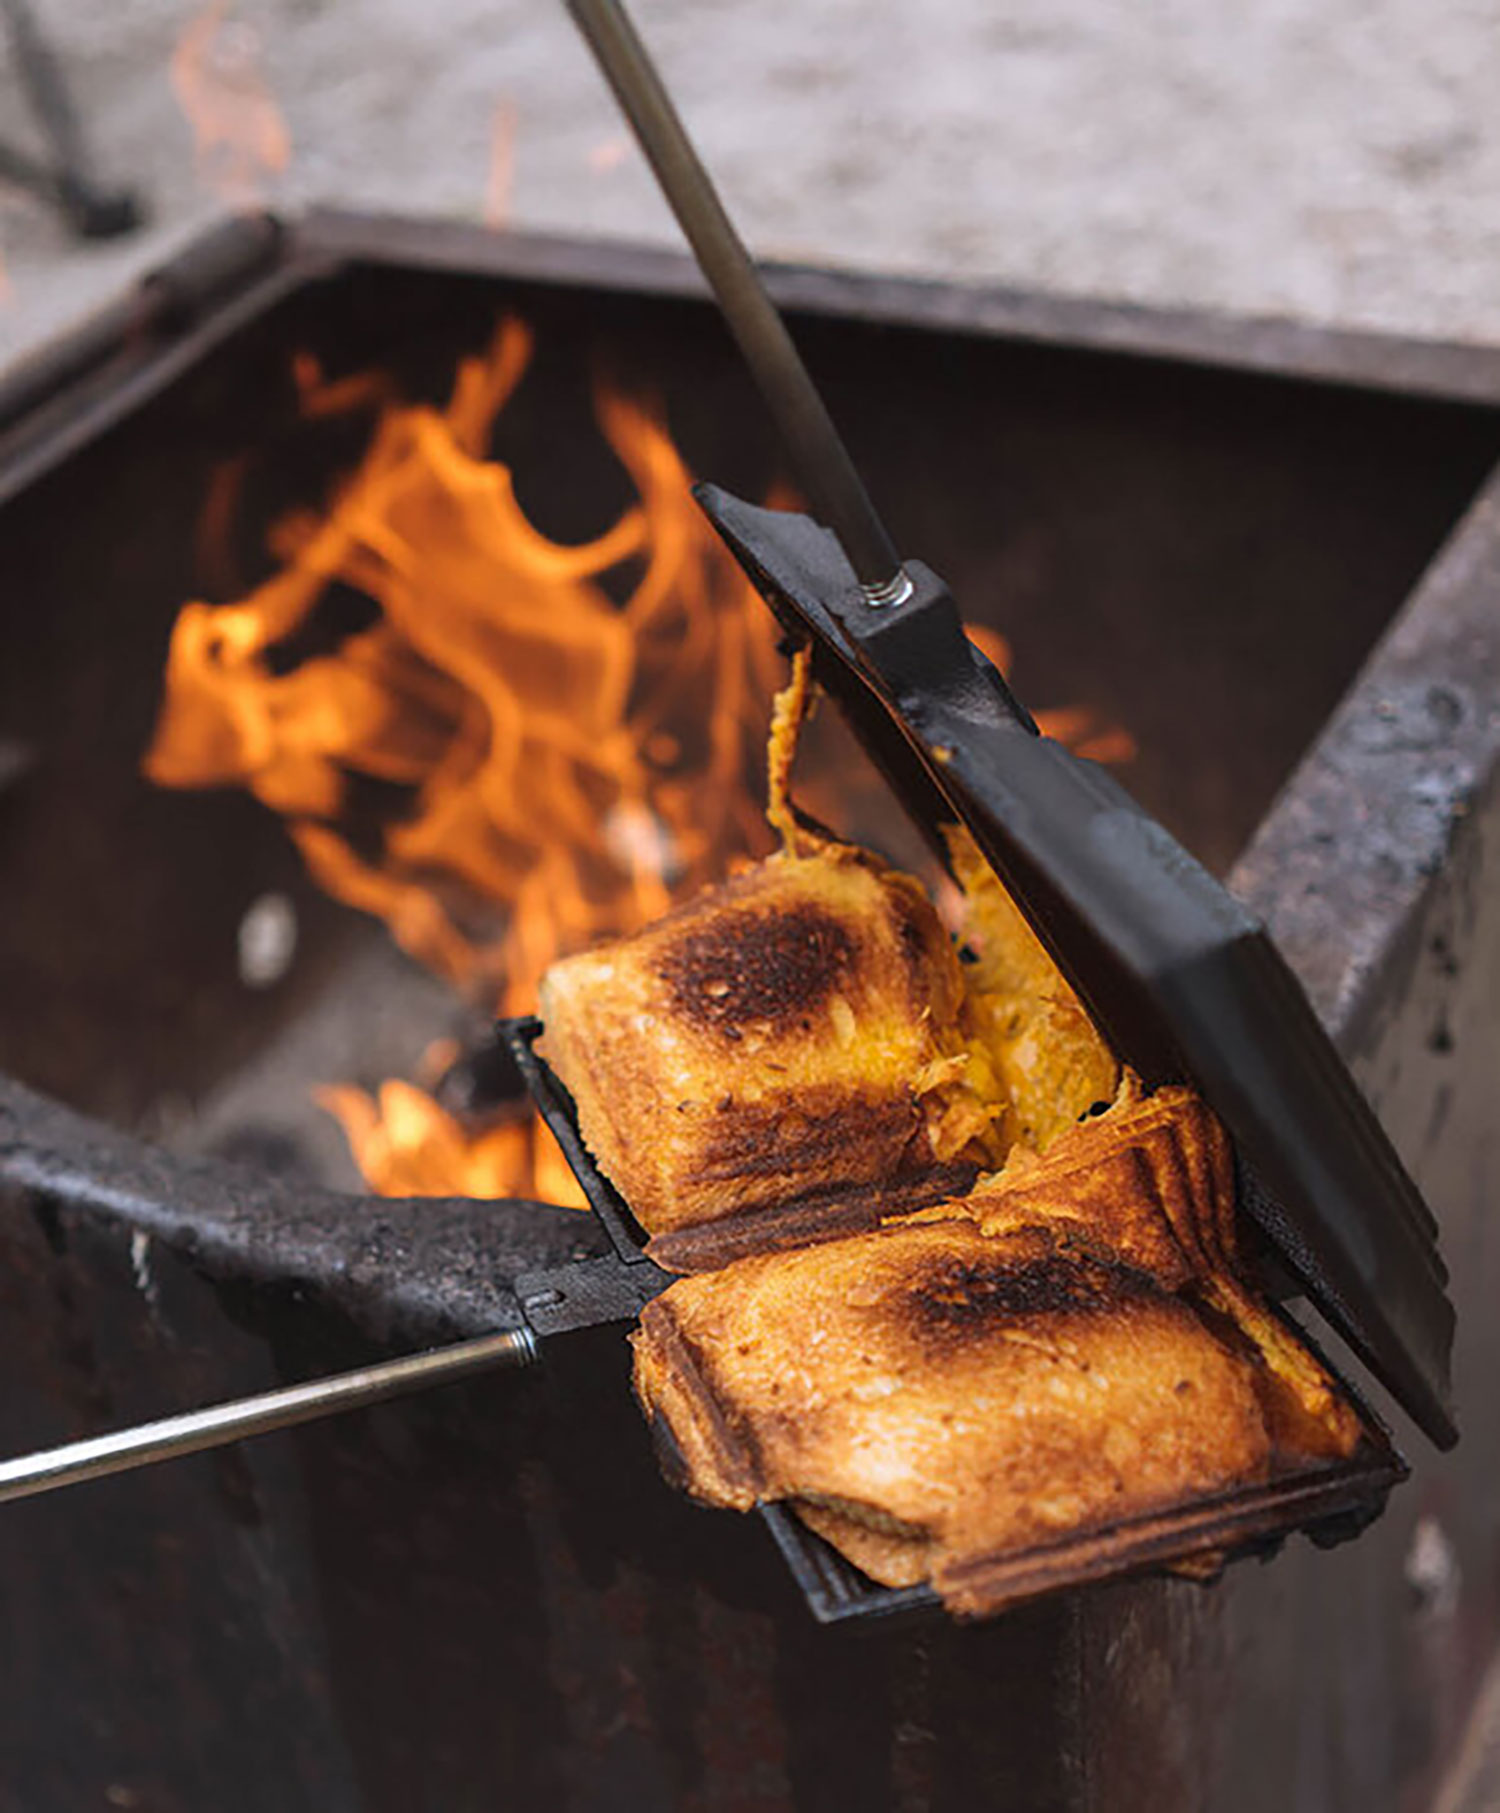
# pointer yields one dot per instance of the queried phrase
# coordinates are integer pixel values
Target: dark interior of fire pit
(1202, 555)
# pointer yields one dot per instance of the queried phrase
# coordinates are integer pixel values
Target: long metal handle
(219, 1424)
(824, 467)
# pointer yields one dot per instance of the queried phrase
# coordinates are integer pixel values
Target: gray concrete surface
(1335, 160)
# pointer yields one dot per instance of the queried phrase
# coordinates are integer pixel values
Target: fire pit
(1193, 530)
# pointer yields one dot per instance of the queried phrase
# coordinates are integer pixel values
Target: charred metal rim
(69, 391)
(400, 1269)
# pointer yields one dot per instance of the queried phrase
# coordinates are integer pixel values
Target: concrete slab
(1337, 161)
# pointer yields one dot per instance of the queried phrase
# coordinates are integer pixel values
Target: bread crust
(951, 1376)
(764, 1044)
(928, 1395)
(1065, 1351)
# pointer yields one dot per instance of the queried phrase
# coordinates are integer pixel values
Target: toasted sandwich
(789, 1038)
(961, 1290)
(999, 1374)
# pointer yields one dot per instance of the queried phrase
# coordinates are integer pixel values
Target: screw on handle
(823, 464)
(218, 1424)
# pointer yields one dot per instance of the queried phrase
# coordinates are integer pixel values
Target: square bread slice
(785, 1037)
(935, 1400)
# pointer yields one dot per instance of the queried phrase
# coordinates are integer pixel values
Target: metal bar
(44, 82)
(96, 212)
(827, 473)
(22, 171)
(219, 1424)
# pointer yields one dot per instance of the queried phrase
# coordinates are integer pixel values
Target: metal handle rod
(43, 79)
(219, 1424)
(823, 464)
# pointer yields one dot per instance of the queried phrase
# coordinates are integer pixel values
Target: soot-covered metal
(1201, 526)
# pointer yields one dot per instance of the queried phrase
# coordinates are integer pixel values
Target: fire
(566, 765)
(561, 741)
(1085, 731)
(240, 136)
(407, 1145)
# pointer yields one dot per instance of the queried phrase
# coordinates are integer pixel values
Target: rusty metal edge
(398, 1268)
(1449, 371)
(1344, 859)
(71, 391)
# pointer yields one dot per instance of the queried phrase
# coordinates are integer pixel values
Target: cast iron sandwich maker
(1181, 978)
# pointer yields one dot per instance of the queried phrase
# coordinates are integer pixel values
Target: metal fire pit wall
(487, 1597)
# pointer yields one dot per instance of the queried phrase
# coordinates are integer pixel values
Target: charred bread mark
(763, 971)
(986, 1409)
(774, 1042)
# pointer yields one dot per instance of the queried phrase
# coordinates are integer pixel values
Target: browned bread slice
(788, 1036)
(930, 1397)
(1152, 1179)
(1067, 1349)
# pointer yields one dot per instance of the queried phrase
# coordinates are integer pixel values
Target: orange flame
(407, 1145)
(1085, 731)
(240, 136)
(566, 766)
(562, 766)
